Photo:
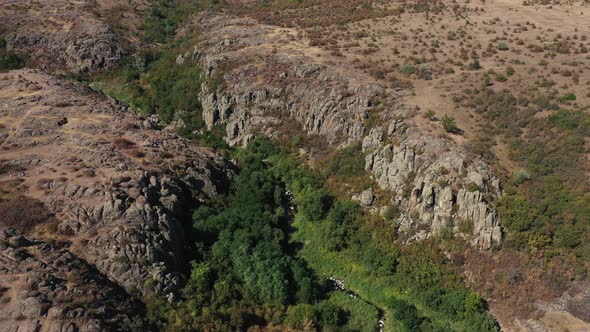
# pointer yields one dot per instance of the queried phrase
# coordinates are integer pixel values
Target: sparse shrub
(407, 70)
(22, 213)
(442, 183)
(425, 73)
(501, 78)
(465, 226)
(123, 143)
(390, 213)
(521, 176)
(89, 173)
(430, 115)
(166, 155)
(9, 60)
(449, 124)
(474, 65)
(472, 187)
(137, 153)
(347, 163)
(502, 46)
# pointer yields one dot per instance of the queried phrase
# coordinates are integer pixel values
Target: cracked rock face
(119, 194)
(44, 285)
(75, 39)
(266, 87)
(273, 78)
(435, 184)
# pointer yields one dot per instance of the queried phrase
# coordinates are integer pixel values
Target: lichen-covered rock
(367, 197)
(46, 286)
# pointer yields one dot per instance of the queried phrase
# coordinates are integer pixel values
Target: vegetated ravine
(265, 253)
(259, 263)
(272, 233)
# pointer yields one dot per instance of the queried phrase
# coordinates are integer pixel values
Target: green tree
(313, 203)
(407, 314)
(300, 316)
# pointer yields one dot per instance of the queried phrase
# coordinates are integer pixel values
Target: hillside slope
(91, 196)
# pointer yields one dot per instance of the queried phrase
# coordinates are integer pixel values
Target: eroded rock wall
(434, 183)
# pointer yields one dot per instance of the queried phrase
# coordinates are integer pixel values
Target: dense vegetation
(154, 83)
(264, 254)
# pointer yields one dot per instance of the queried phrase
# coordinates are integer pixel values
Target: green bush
(407, 70)
(516, 212)
(568, 97)
(407, 314)
(521, 176)
(314, 204)
(449, 124)
(300, 316)
(330, 315)
(502, 46)
(430, 115)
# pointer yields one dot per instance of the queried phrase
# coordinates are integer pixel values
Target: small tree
(300, 315)
(450, 124)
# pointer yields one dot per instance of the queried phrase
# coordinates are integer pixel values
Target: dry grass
(22, 213)
(123, 143)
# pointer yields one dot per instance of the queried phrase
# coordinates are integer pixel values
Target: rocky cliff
(118, 195)
(434, 183)
(270, 79)
(271, 74)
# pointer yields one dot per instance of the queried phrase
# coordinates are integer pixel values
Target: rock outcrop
(266, 86)
(119, 192)
(43, 285)
(60, 34)
(434, 184)
(270, 79)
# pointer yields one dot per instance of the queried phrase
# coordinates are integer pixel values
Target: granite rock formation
(60, 35)
(117, 192)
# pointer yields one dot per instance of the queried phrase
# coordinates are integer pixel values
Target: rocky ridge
(271, 75)
(60, 35)
(51, 288)
(118, 192)
(271, 85)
